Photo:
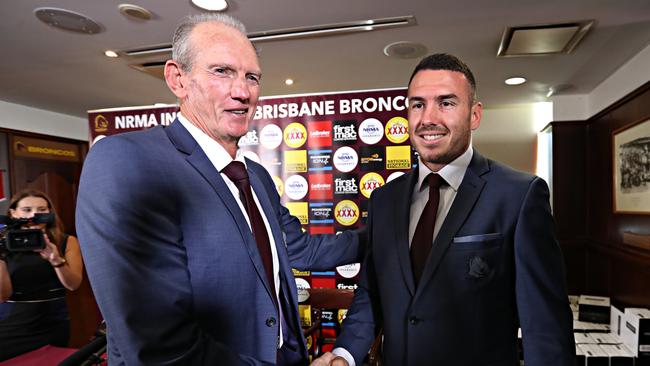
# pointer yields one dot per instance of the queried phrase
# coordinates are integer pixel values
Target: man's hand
(329, 359)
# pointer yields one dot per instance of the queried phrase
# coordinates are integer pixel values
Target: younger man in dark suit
(462, 249)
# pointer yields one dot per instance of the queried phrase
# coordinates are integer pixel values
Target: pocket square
(478, 268)
(477, 238)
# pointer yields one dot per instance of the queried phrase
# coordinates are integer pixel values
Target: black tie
(237, 173)
(423, 237)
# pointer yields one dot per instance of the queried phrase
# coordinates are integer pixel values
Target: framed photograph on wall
(631, 163)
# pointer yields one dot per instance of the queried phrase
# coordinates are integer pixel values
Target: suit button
(270, 321)
(413, 320)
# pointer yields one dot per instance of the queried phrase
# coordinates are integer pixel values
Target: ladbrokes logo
(398, 157)
(250, 139)
(101, 123)
(320, 187)
(346, 184)
(295, 161)
(295, 135)
(370, 182)
(346, 212)
(345, 131)
(397, 130)
(320, 134)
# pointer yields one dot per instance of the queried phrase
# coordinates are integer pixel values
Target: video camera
(13, 238)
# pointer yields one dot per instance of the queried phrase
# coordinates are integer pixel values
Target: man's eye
(416, 105)
(254, 78)
(447, 104)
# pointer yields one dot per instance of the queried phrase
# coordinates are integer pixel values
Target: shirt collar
(452, 173)
(215, 152)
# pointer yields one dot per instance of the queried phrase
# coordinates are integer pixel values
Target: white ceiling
(68, 73)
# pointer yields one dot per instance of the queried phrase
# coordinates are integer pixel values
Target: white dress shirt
(220, 158)
(453, 174)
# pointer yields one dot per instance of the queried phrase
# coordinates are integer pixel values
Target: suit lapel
(468, 192)
(185, 143)
(402, 209)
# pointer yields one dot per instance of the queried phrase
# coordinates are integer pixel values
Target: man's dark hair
(445, 61)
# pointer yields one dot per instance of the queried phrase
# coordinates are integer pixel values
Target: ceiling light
(518, 80)
(542, 39)
(134, 11)
(111, 53)
(405, 50)
(67, 20)
(289, 81)
(332, 29)
(211, 5)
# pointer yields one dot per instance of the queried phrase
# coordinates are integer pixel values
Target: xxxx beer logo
(369, 183)
(397, 130)
(295, 135)
(346, 212)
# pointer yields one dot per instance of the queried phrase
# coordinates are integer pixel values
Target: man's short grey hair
(182, 51)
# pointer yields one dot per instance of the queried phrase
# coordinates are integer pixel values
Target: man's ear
(476, 114)
(174, 78)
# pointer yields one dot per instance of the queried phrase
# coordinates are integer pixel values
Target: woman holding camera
(33, 310)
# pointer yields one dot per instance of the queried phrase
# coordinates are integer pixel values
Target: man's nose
(239, 89)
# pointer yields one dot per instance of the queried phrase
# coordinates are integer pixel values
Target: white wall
(22, 118)
(508, 134)
(626, 79)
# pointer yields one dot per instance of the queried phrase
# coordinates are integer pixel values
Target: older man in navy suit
(187, 247)
(461, 250)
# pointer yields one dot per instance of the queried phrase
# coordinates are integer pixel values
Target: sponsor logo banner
(363, 207)
(321, 213)
(320, 187)
(345, 159)
(349, 270)
(398, 157)
(371, 131)
(320, 160)
(346, 184)
(372, 158)
(295, 135)
(299, 210)
(320, 134)
(346, 212)
(279, 185)
(345, 131)
(296, 187)
(397, 130)
(369, 183)
(271, 136)
(315, 230)
(249, 139)
(295, 161)
(394, 175)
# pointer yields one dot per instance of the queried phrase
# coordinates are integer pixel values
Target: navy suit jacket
(173, 263)
(494, 265)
